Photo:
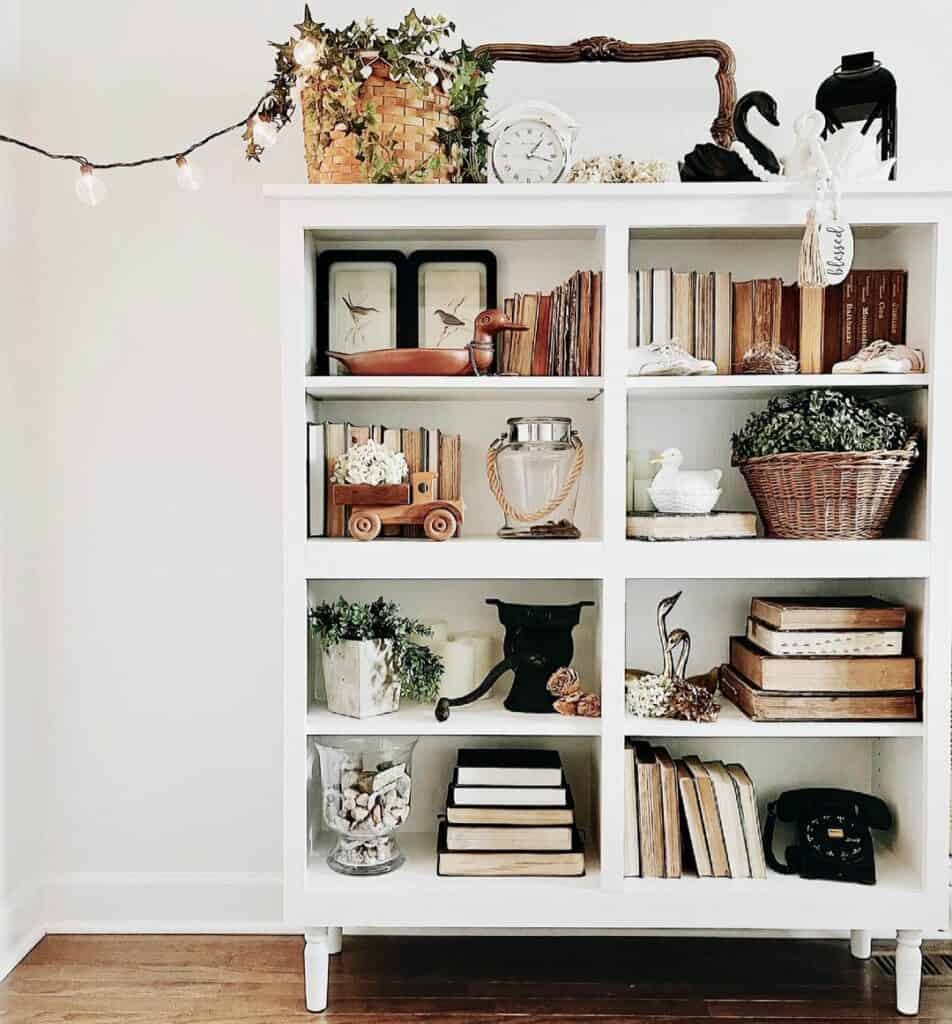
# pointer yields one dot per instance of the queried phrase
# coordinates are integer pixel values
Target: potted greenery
(382, 105)
(823, 465)
(371, 657)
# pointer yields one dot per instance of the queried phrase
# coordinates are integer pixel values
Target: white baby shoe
(669, 359)
(883, 357)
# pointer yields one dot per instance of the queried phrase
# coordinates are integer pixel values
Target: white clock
(531, 143)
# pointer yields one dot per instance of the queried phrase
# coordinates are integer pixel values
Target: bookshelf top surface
(521, 193)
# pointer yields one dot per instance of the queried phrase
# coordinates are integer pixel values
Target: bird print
(358, 314)
(450, 321)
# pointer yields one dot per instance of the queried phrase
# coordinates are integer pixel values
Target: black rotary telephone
(833, 839)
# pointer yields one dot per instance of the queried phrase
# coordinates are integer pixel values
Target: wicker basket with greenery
(822, 465)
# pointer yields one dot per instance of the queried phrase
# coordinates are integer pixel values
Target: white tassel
(812, 272)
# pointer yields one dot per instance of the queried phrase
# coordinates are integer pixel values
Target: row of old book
(425, 449)
(722, 320)
(714, 802)
(509, 813)
(822, 659)
(564, 336)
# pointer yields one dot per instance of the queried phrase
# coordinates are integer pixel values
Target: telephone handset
(833, 838)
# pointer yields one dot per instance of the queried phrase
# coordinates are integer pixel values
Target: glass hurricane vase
(366, 788)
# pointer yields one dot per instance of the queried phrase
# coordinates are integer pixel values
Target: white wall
(143, 599)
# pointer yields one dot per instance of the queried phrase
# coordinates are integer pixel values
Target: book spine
(882, 298)
(849, 330)
(866, 315)
(897, 308)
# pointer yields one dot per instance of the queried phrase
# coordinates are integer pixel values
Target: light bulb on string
(188, 176)
(432, 78)
(305, 53)
(264, 132)
(90, 190)
(366, 71)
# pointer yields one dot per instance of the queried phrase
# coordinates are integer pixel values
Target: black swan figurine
(710, 162)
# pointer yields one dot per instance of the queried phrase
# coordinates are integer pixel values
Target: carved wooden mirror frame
(605, 48)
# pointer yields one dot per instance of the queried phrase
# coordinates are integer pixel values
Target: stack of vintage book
(685, 814)
(823, 659)
(425, 449)
(564, 338)
(722, 320)
(693, 306)
(509, 812)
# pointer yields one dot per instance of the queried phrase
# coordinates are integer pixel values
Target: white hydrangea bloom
(370, 463)
(648, 696)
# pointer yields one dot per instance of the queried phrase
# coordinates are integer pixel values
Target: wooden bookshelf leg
(335, 940)
(861, 943)
(908, 970)
(315, 970)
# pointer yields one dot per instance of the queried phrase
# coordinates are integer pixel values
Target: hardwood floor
(153, 979)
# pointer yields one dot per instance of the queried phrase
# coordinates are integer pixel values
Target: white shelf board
(458, 558)
(415, 896)
(765, 386)
(452, 388)
(484, 718)
(733, 722)
(764, 558)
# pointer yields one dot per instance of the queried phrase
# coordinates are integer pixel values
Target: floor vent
(934, 965)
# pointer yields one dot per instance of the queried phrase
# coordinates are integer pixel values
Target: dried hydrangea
(370, 463)
(589, 705)
(648, 696)
(617, 170)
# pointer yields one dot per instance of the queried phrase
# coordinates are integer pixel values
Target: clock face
(529, 152)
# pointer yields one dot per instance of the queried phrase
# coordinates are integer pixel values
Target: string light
(188, 176)
(264, 132)
(305, 53)
(90, 190)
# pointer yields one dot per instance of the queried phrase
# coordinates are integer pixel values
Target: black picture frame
(410, 291)
(326, 260)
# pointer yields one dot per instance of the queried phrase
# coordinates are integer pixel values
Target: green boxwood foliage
(417, 667)
(819, 421)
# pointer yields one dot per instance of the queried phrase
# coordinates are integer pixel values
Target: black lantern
(861, 89)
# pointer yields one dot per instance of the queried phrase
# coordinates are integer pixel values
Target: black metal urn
(538, 641)
(861, 89)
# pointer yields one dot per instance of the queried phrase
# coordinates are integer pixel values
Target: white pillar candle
(641, 502)
(458, 670)
(483, 658)
(438, 635)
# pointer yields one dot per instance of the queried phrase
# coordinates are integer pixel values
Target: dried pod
(563, 682)
(589, 705)
(566, 707)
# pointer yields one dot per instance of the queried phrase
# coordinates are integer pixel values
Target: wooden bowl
(413, 362)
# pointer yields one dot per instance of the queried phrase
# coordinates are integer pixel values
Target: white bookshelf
(540, 234)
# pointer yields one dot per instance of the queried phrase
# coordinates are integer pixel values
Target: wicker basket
(828, 495)
(409, 114)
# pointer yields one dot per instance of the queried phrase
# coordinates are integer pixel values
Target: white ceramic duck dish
(675, 490)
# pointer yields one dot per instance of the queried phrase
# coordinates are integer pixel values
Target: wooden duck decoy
(710, 162)
(474, 358)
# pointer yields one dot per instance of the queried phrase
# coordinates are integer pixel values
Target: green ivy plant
(417, 667)
(819, 421)
(414, 50)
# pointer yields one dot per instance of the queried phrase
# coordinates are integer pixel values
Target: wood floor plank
(155, 979)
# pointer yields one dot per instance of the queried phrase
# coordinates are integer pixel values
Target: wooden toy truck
(374, 506)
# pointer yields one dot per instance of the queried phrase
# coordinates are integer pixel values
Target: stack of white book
(509, 812)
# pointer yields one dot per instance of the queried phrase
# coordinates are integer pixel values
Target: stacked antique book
(825, 659)
(716, 804)
(564, 336)
(509, 812)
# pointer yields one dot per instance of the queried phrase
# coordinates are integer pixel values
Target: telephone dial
(833, 838)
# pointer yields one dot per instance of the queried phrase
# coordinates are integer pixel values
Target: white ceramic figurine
(688, 491)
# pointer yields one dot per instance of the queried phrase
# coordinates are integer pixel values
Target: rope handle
(532, 517)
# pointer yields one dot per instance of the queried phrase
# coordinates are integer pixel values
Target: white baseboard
(21, 925)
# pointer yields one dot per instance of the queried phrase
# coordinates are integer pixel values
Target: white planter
(359, 679)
